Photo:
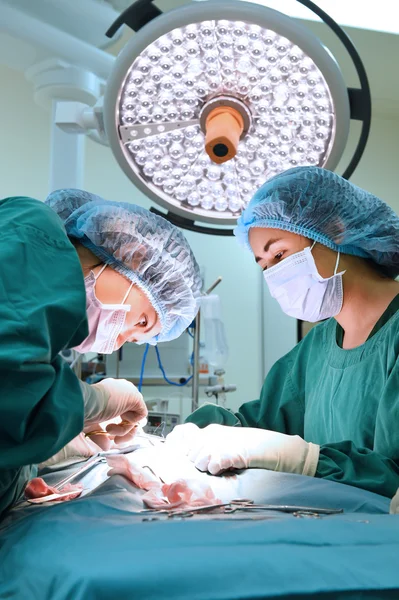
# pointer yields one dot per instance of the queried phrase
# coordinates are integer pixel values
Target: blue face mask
(301, 291)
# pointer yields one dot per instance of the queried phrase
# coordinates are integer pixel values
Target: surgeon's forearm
(95, 399)
(345, 463)
(249, 414)
(211, 413)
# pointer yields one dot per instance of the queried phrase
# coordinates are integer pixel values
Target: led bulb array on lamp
(291, 107)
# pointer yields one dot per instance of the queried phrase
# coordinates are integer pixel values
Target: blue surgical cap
(143, 247)
(326, 208)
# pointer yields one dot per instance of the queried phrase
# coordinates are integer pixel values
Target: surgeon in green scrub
(329, 252)
(85, 273)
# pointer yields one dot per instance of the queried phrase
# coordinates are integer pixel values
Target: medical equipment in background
(161, 424)
(216, 348)
(214, 327)
(128, 362)
(144, 365)
(220, 389)
(217, 351)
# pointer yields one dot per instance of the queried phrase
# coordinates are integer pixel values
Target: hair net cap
(324, 207)
(145, 248)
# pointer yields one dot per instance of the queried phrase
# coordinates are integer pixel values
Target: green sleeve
(376, 469)
(42, 311)
(363, 468)
(280, 407)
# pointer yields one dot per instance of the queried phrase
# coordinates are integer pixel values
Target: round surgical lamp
(207, 102)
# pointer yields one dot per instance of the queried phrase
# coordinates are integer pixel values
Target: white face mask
(301, 291)
(106, 321)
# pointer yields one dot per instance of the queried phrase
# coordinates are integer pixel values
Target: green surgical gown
(347, 401)
(42, 311)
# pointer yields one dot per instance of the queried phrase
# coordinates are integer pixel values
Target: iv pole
(196, 351)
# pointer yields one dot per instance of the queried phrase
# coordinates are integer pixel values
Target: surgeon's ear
(87, 259)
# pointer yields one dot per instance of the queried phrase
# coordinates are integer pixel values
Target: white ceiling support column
(66, 157)
(58, 43)
(57, 84)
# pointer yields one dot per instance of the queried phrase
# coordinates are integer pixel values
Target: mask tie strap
(338, 257)
(129, 289)
(337, 263)
(100, 271)
(127, 293)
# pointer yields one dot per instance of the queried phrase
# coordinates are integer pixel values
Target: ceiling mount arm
(135, 16)
(190, 225)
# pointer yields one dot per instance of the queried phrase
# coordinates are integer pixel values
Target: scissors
(103, 432)
(140, 434)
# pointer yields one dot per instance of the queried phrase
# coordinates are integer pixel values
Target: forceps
(98, 458)
(94, 460)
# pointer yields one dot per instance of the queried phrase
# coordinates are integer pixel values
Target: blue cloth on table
(98, 547)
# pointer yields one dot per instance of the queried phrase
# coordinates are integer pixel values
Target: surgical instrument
(98, 458)
(188, 512)
(245, 505)
(50, 498)
(140, 434)
(104, 432)
(94, 460)
(298, 510)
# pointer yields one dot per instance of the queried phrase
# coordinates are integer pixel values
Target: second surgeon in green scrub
(330, 407)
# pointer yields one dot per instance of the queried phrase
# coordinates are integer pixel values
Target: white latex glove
(79, 448)
(109, 441)
(217, 448)
(112, 398)
(394, 507)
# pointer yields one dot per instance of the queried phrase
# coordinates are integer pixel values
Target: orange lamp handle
(224, 126)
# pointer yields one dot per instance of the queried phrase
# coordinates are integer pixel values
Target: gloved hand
(100, 436)
(394, 506)
(80, 448)
(217, 448)
(112, 398)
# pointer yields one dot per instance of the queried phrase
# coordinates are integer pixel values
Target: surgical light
(207, 102)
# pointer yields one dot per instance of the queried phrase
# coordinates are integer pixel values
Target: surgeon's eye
(277, 257)
(143, 322)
